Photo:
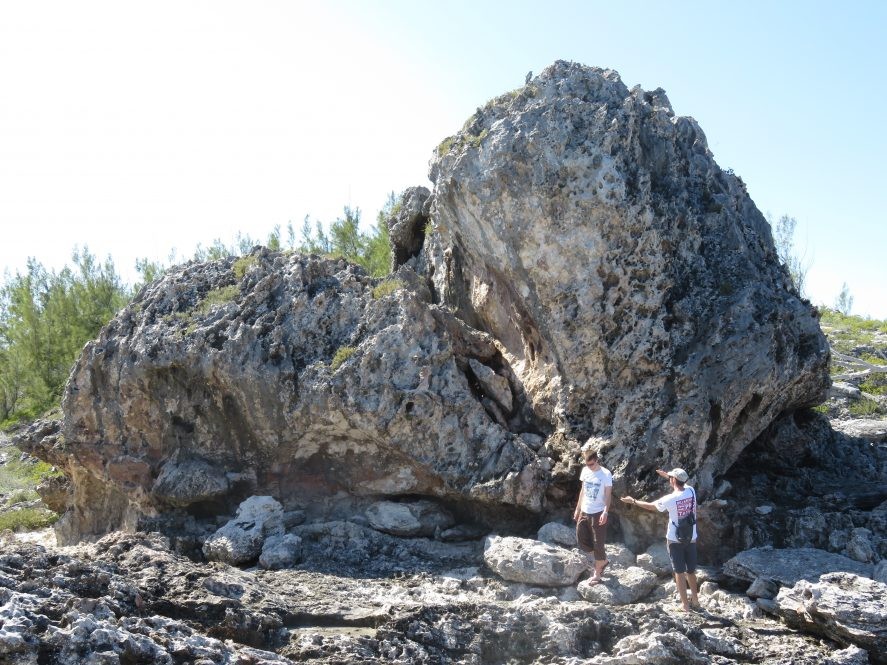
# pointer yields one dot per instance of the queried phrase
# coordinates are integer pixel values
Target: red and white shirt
(678, 503)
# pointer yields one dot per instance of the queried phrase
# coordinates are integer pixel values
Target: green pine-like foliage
(46, 317)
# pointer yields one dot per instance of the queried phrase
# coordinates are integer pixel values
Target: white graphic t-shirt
(594, 482)
(678, 503)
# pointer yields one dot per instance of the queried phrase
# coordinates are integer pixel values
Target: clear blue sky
(139, 128)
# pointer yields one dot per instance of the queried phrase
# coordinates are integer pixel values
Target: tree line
(797, 264)
(46, 316)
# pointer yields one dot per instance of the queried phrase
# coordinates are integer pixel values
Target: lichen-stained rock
(631, 282)
(282, 374)
(532, 562)
(841, 606)
(582, 266)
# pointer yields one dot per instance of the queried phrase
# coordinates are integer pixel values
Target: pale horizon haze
(136, 129)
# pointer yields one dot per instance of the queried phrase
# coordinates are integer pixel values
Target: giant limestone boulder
(581, 266)
(630, 281)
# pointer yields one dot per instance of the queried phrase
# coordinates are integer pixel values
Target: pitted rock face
(283, 375)
(633, 284)
(582, 267)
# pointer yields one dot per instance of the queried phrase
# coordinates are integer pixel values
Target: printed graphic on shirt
(592, 488)
(684, 506)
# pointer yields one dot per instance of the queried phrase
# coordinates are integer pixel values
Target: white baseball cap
(679, 475)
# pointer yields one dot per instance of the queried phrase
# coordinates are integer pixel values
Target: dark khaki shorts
(591, 534)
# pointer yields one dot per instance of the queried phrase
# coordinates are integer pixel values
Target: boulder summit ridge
(581, 267)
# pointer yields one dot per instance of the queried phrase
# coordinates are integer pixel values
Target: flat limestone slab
(789, 566)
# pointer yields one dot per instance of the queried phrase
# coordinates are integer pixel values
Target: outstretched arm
(646, 505)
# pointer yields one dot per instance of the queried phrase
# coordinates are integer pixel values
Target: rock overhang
(647, 279)
(582, 266)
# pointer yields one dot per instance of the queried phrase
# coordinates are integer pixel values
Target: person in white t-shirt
(592, 508)
(680, 502)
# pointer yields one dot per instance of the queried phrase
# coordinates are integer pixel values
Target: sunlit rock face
(284, 375)
(631, 283)
(582, 266)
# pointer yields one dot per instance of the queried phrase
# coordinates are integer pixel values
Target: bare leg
(599, 565)
(694, 591)
(681, 582)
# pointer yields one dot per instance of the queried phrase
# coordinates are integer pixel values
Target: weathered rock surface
(789, 566)
(844, 607)
(588, 269)
(621, 586)
(863, 428)
(763, 587)
(631, 282)
(656, 560)
(186, 405)
(111, 603)
(414, 518)
(241, 540)
(129, 598)
(406, 229)
(582, 267)
(653, 648)
(362, 548)
(190, 481)
(619, 555)
(821, 485)
(532, 561)
(557, 534)
(281, 552)
(56, 493)
(859, 546)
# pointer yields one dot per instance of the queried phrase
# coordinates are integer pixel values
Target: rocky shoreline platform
(360, 596)
(278, 458)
